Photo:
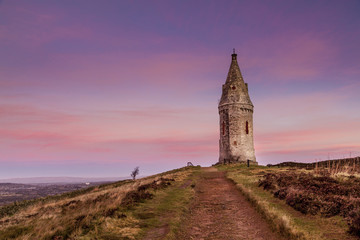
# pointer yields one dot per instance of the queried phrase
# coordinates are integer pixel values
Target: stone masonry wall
(235, 109)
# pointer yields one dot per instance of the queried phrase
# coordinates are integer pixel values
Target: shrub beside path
(220, 211)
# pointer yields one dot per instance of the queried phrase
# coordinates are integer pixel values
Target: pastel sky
(96, 88)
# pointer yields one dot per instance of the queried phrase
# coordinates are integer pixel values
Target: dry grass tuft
(97, 213)
(283, 218)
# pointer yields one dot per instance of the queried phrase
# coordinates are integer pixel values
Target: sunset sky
(96, 88)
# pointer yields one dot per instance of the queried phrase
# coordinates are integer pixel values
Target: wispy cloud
(116, 82)
(25, 114)
(286, 57)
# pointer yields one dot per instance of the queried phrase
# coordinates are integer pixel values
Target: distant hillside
(12, 192)
(60, 180)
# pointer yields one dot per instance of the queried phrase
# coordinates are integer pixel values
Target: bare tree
(134, 173)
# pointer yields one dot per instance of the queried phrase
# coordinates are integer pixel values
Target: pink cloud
(299, 55)
(310, 155)
(48, 135)
(171, 147)
(150, 112)
(314, 110)
(310, 142)
(299, 125)
(300, 137)
(25, 114)
(174, 72)
(40, 137)
(46, 146)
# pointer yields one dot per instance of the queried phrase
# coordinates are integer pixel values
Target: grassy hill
(122, 210)
(318, 203)
(300, 203)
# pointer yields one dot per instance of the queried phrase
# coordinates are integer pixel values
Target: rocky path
(220, 212)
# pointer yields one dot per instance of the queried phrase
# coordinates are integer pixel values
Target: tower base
(236, 160)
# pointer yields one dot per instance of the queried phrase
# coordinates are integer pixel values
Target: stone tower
(236, 118)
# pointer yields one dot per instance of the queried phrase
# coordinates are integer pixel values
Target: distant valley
(12, 190)
(31, 180)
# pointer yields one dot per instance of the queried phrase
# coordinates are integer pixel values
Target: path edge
(278, 223)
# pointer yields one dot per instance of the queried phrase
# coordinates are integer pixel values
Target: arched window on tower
(247, 127)
(223, 128)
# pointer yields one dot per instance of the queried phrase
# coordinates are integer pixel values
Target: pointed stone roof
(234, 70)
(235, 90)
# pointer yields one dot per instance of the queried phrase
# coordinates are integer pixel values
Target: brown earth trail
(220, 212)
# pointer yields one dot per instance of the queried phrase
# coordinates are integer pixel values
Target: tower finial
(234, 55)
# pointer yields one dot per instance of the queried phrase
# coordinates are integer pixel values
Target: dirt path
(220, 212)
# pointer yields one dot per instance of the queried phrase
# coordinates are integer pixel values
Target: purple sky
(95, 88)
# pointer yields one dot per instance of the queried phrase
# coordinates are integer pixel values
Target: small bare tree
(134, 173)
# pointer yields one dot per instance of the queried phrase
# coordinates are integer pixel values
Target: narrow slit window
(247, 127)
(223, 128)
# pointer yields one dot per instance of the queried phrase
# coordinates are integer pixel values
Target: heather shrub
(354, 221)
(321, 195)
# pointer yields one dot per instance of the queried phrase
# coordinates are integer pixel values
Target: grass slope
(283, 218)
(122, 210)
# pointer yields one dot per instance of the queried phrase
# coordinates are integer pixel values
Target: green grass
(11, 209)
(167, 208)
(100, 213)
(14, 232)
(284, 219)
